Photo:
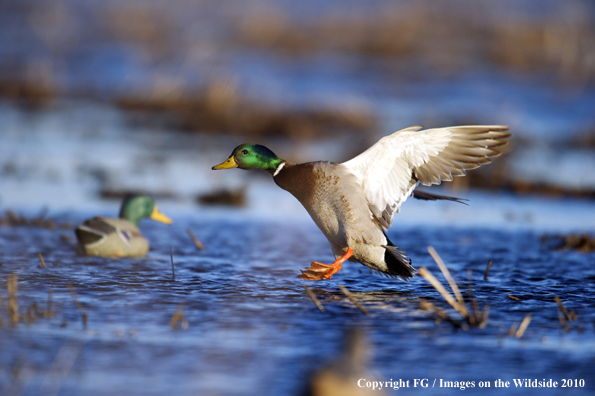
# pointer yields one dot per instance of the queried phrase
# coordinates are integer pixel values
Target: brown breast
(298, 179)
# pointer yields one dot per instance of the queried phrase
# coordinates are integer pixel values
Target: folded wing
(390, 170)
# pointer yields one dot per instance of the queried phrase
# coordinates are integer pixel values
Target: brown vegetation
(224, 197)
(12, 219)
(584, 243)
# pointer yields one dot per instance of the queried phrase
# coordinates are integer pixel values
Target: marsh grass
(196, 241)
(10, 306)
(41, 260)
(13, 219)
(351, 297)
(79, 306)
(567, 318)
(314, 298)
(13, 304)
(470, 318)
(178, 319)
(485, 277)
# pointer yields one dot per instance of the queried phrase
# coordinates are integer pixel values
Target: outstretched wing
(390, 170)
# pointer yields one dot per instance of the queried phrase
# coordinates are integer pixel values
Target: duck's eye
(244, 151)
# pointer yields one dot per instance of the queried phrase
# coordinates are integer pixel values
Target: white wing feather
(390, 170)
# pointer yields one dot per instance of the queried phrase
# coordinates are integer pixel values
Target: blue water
(253, 330)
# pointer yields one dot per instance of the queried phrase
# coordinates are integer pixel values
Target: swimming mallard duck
(353, 203)
(109, 237)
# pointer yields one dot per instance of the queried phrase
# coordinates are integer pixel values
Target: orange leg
(319, 271)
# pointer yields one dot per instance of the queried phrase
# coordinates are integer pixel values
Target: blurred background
(99, 98)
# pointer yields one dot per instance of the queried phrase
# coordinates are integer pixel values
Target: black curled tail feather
(398, 263)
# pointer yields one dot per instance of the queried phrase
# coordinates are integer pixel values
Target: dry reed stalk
(313, 297)
(353, 299)
(524, 324)
(13, 304)
(449, 279)
(32, 314)
(41, 259)
(484, 317)
(562, 308)
(563, 322)
(79, 306)
(49, 313)
(485, 277)
(428, 306)
(459, 304)
(474, 319)
(178, 316)
(513, 297)
(197, 242)
(427, 275)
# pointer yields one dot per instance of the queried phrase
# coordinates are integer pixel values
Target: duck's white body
(111, 237)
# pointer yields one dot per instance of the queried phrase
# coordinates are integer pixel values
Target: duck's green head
(137, 207)
(251, 156)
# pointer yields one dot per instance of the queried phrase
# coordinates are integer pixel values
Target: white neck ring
(281, 165)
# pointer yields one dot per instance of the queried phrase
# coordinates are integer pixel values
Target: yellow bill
(230, 163)
(158, 216)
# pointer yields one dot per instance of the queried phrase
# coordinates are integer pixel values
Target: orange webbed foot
(319, 271)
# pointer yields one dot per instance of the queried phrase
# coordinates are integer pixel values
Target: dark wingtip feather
(427, 196)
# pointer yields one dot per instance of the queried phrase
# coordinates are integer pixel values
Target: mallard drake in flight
(110, 237)
(354, 202)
